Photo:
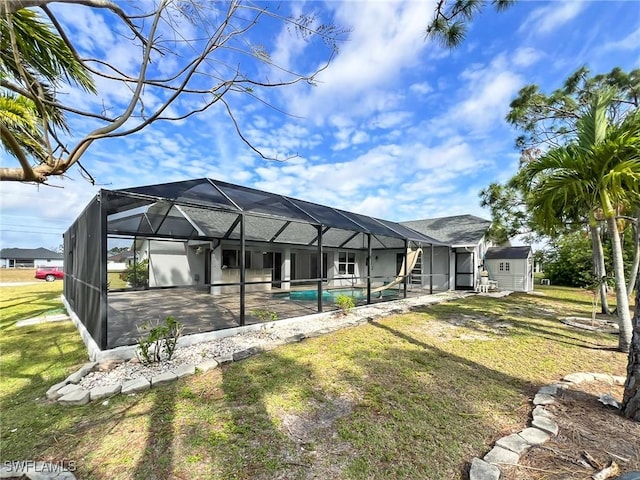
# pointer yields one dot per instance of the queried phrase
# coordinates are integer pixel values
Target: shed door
(464, 270)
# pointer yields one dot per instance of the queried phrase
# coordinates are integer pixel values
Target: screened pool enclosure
(216, 255)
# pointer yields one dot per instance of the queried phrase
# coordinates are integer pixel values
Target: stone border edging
(508, 450)
(68, 392)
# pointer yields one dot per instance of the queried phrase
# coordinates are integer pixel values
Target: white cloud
(630, 42)
(526, 56)
(545, 20)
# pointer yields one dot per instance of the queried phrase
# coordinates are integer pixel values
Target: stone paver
(77, 397)
(97, 393)
(546, 424)
(481, 470)
(242, 354)
(135, 385)
(82, 371)
(53, 392)
(540, 411)
(543, 399)
(35, 471)
(514, 442)
(579, 377)
(548, 390)
(534, 436)
(67, 389)
(224, 359)
(163, 379)
(184, 371)
(499, 455)
(207, 365)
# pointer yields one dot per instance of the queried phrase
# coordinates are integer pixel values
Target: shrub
(345, 303)
(160, 342)
(137, 275)
(265, 315)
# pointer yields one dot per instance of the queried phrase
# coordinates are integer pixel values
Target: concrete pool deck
(201, 312)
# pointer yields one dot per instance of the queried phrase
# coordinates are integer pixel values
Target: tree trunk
(631, 400)
(599, 266)
(622, 298)
(635, 267)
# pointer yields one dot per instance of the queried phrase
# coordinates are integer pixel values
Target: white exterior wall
(38, 262)
(518, 278)
(383, 266)
(168, 264)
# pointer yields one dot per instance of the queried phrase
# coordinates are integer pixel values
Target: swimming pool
(331, 295)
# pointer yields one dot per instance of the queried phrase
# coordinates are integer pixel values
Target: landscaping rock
(548, 390)
(514, 442)
(499, 455)
(207, 365)
(543, 399)
(77, 397)
(224, 359)
(33, 470)
(542, 412)
(242, 354)
(53, 392)
(135, 385)
(295, 338)
(67, 389)
(534, 436)
(184, 371)
(481, 470)
(546, 424)
(579, 377)
(102, 392)
(163, 379)
(82, 371)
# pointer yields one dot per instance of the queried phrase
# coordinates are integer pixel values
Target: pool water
(331, 295)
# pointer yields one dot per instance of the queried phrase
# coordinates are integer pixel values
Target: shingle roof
(459, 230)
(507, 253)
(30, 254)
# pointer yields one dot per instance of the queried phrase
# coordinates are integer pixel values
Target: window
(505, 267)
(230, 259)
(502, 266)
(346, 263)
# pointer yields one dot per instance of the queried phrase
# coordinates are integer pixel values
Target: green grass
(410, 396)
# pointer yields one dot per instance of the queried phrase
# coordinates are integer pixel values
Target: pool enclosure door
(464, 271)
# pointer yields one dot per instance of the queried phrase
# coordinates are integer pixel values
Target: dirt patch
(319, 451)
(585, 426)
(596, 325)
(465, 327)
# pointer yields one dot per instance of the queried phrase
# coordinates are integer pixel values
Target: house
(461, 260)
(30, 258)
(214, 252)
(120, 261)
(511, 267)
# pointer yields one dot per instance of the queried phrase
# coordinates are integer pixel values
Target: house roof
(507, 253)
(458, 230)
(211, 208)
(30, 254)
(119, 257)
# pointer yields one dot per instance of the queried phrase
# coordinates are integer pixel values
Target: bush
(345, 303)
(137, 275)
(160, 342)
(265, 315)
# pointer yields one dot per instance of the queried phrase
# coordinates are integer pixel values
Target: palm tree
(34, 61)
(598, 172)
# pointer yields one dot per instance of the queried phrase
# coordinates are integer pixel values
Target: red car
(49, 273)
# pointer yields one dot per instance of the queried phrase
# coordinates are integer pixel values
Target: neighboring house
(458, 266)
(511, 267)
(29, 258)
(120, 261)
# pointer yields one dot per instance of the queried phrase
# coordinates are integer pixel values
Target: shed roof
(507, 253)
(30, 254)
(458, 230)
(210, 208)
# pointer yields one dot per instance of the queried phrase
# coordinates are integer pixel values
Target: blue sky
(396, 127)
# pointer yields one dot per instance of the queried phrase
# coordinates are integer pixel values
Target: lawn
(416, 395)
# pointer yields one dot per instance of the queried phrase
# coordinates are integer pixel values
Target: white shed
(511, 267)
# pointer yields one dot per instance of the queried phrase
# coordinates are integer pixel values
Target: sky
(395, 126)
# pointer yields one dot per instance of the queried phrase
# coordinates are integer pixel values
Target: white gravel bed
(271, 333)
